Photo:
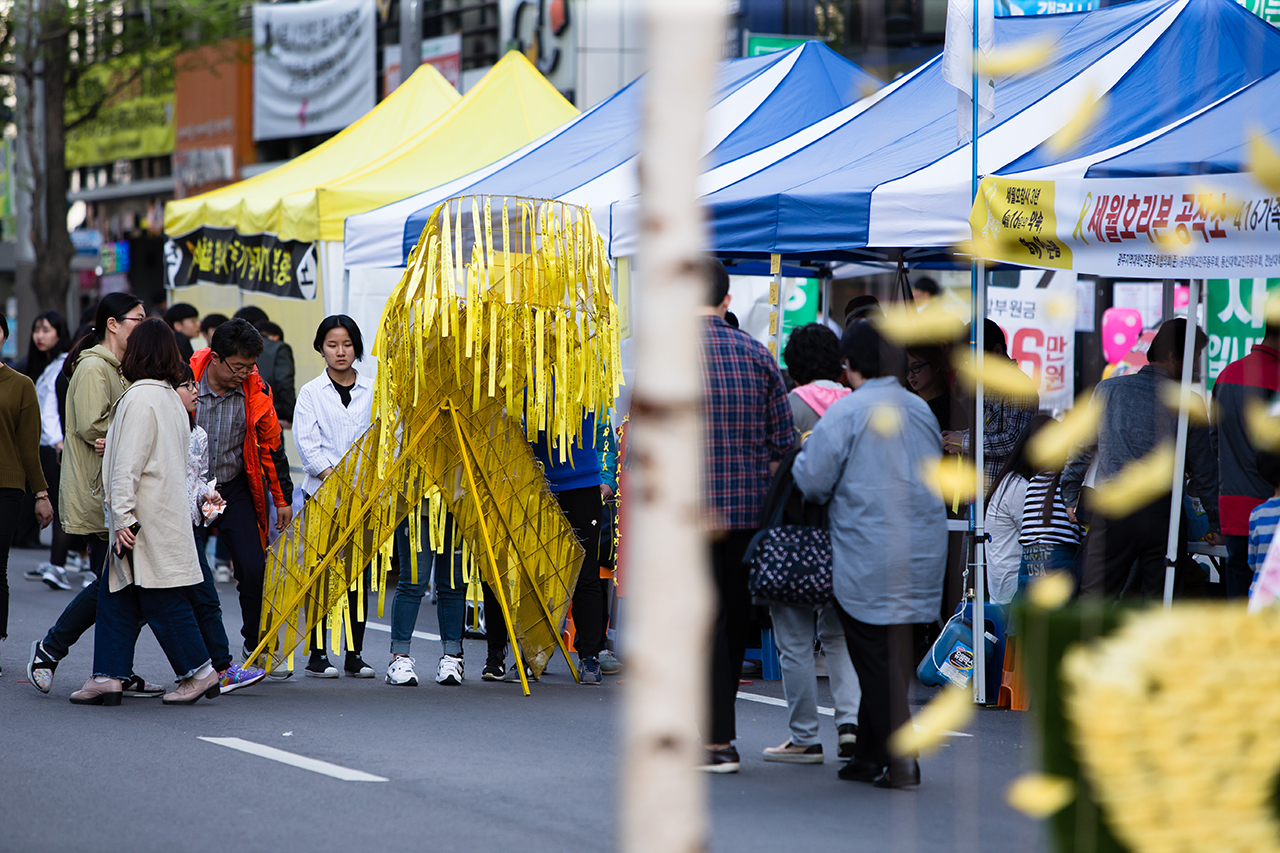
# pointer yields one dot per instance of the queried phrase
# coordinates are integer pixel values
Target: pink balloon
(1121, 328)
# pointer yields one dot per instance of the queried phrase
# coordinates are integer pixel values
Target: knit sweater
(19, 433)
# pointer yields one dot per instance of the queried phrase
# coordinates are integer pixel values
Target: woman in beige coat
(153, 553)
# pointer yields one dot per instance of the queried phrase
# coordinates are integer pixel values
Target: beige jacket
(144, 472)
(95, 386)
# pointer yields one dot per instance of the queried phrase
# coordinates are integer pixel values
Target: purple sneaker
(237, 677)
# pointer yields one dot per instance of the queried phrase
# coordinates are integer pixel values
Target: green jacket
(96, 384)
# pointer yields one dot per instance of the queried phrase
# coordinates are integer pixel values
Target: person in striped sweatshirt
(1265, 517)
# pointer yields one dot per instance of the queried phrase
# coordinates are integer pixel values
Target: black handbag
(790, 556)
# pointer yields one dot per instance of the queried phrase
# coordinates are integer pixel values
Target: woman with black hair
(333, 410)
(46, 354)
(95, 384)
(153, 562)
(812, 355)
(1004, 515)
(866, 459)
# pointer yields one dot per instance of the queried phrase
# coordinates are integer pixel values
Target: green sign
(759, 45)
(1235, 309)
(801, 308)
(1267, 10)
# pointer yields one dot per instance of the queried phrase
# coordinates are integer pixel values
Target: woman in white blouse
(331, 413)
(45, 357)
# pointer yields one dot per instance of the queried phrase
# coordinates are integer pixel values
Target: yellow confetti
(1026, 55)
(1263, 427)
(950, 478)
(1051, 591)
(886, 420)
(867, 88)
(906, 326)
(1090, 111)
(1138, 483)
(1174, 395)
(1039, 795)
(998, 375)
(947, 712)
(1051, 447)
(1215, 203)
(1061, 307)
(1264, 161)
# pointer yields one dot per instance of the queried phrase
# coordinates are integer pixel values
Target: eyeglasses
(236, 369)
(191, 386)
(916, 367)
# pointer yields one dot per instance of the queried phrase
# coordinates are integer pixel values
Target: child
(204, 599)
(1264, 519)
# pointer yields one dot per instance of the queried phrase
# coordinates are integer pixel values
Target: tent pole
(978, 290)
(1180, 444)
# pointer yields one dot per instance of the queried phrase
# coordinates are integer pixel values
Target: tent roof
(888, 172)
(512, 105)
(253, 206)
(591, 160)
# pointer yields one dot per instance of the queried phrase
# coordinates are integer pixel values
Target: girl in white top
(1004, 516)
(45, 357)
(332, 412)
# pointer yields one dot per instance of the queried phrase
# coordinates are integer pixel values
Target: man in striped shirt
(1265, 517)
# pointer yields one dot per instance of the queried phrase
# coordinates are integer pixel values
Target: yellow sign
(1014, 221)
(139, 127)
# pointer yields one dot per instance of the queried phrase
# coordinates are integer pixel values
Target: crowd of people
(154, 448)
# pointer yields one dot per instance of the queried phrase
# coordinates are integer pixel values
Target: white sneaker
(222, 573)
(53, 576)
(86, 579)
(77, 563)
(400, 673)
(449, 671)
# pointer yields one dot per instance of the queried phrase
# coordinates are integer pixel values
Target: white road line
(315, 765)
(421, 635)
(828, 712)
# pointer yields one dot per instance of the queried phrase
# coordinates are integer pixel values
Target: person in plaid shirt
(748, 430)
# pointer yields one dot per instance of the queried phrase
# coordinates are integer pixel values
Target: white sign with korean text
(1038, 318)
(314, 66)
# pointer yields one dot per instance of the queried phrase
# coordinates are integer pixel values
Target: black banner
(257, 262)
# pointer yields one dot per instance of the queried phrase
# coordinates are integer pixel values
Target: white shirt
(323, 429)
(47, 397)
(1004, 524)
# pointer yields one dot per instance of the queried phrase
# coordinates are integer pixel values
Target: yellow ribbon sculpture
(503, 326)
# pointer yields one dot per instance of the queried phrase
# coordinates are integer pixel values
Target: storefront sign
(1177, 227)
(258, 262)
(314, 66)
(138, 127)
(1038, 318)
(1236, 318)
(442, 52)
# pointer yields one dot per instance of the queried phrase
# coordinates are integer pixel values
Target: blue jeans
(80, 614)
(208, 610)
(120, 619)
(1040, 560)
(451, 604)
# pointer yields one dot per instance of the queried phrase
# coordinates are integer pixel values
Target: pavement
(475, 768)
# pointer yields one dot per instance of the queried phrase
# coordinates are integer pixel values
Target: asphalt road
(474, 768)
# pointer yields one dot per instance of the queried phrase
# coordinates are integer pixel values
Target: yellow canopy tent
(254, 206)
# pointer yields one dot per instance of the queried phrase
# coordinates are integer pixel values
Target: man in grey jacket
(1125, 553)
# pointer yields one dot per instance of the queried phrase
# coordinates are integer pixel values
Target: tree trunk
(663, 794)
(52, 242)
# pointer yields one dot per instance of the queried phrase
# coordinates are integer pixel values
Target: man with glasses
(246, 457)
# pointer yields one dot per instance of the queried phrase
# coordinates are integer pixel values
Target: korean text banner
(1224, 226)
(138, 127)
(1037, 313)
(314, 66)
(1236, 318)
(257, 262)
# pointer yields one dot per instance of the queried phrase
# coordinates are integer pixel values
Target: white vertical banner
(314, 66)
(1039, 319)
(957, 62)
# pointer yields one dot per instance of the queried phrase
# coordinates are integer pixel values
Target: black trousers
(1237, 577)
(883, 656)
(238, 527)
(1125, 556)
(53, 476)
(10, 512)
(729, 635)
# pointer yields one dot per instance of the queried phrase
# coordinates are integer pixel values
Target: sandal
(136, 687)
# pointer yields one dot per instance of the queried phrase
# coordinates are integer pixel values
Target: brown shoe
(191, 689)
(99, 693)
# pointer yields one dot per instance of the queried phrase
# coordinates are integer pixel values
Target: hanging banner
(1236, 317)
(1175, 227)
(314, 66)
(1038, 318)
(258, 262)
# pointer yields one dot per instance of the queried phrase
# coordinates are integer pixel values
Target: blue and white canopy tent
(591, 160)
(886, 176)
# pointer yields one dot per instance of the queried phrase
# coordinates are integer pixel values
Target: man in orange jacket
(246, 457)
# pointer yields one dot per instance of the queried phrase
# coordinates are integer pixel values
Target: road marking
(421, 635)
(827, 712)
(315, 765)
